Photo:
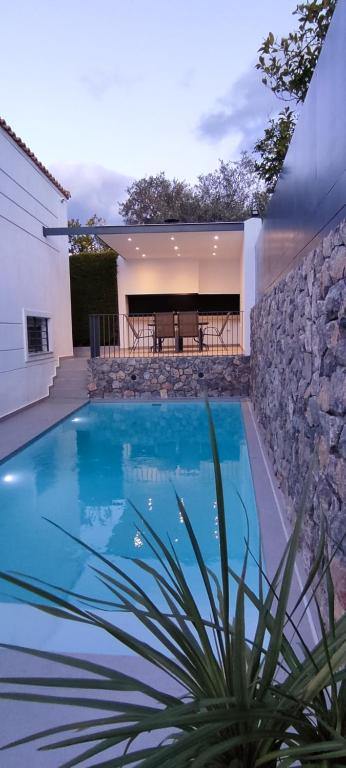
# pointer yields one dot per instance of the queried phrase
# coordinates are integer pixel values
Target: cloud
(187, 77)
(99, 83)
(243, 111)
(94, 189)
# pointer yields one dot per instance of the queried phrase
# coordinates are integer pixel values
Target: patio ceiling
(150, 242)
(206, 240)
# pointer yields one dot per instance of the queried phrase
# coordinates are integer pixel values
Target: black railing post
(94, 334)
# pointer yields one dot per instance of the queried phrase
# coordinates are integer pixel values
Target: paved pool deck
(19, 718)
(18, 429)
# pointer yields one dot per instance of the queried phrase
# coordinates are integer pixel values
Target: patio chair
(188, 327)
(164, 328)
(139, 334)
(214, 331)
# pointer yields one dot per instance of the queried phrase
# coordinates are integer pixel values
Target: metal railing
(216, 333)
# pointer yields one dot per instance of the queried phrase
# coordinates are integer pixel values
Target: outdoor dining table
(179, 340)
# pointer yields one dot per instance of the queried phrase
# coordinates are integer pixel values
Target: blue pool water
(83, 475)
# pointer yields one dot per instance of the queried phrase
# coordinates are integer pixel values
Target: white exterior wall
(252, 229)
(34, 277)
(175, 276)
(155, 276)
(219, 276)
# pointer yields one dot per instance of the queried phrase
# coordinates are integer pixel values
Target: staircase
(71, 380)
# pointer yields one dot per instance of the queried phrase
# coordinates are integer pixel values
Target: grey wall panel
(310, 196)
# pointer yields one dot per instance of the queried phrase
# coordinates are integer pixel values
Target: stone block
(338, 264)
(336, 475)
(342, 443)
(313, 412)
(324, 395)
(340, 351)
(338, 571)
(335, 301)
(327, 245)
(336, 239)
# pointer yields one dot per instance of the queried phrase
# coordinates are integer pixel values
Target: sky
(108, 92)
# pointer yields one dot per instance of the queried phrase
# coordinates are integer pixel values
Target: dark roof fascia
(132, 229)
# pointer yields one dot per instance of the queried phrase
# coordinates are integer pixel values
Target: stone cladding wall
(169, 377)
(298, 389)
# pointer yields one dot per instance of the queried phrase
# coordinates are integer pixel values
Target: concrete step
(71, 376)
(81, 352)
(80, 395)
(66, 388)
(71, 380)
(75, 384)
(74, 364)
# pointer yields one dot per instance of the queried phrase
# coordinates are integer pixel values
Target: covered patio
(183, 288)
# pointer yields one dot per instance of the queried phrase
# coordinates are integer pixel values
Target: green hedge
(93, 290)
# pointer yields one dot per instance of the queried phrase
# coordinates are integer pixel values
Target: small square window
(37, 330)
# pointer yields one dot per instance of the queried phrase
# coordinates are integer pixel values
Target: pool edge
(272, 515)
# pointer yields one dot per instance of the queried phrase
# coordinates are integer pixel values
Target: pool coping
(274, 522)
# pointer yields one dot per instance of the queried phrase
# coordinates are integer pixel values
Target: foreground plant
(244, 702)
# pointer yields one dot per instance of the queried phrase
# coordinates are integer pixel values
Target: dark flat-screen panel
(183, 302)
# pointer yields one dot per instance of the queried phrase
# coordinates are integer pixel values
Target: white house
(35, 310)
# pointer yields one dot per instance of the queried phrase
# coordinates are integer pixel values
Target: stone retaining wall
(298, 388)
(169, 377)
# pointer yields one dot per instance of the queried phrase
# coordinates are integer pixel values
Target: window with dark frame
(37, 331)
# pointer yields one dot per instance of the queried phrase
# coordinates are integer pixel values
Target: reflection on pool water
(83, 475)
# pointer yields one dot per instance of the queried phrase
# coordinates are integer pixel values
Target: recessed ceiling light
(176, 248)
(216, 237)
(137, 247)
(130, 239)
(215, 246)
(178, 254)
(8, 478)
(172, 238)
(143, 255)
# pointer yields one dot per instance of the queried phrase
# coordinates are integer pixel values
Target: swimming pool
(83, 475)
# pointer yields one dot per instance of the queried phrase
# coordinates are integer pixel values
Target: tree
(272, 148)
(287, 65)
(85, 243)
(228, 193)
(155, 198)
